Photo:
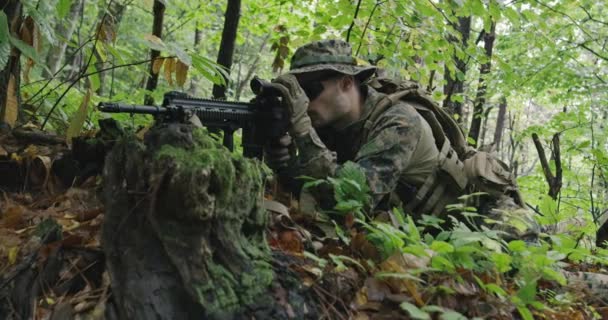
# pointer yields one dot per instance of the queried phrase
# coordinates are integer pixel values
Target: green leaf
(94, 77)
(495, 289)
(415, 312)
(517, 246)
(452, 315)
(25, 48)
(63, 7)
(442, 247)
(477, 8)
(4, 31)
(527, 292)
(79, 117)
(525, 313)
(512, 15)
(5, 47)
(442, 263)
(502, 261)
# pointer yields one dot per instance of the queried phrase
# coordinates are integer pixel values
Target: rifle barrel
(113, 107)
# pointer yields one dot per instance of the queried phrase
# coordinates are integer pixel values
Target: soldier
(337, 115)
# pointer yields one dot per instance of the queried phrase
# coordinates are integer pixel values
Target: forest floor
(51, 256)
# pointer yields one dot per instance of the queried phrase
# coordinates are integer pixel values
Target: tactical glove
(279, 153)
(296, 102)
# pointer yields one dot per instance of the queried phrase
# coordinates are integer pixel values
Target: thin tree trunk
(226, 52)
(500, 122)
(455, 86)
(157, 30)
(64, 31)
(10, 76)
(480, 98)
(198, 36)
(484, 128)
(554, 181)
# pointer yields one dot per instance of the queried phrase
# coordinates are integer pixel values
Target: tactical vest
(460, 168)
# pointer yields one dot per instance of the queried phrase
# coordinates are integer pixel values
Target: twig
(46, 119)
(353, 22)
(367, 24)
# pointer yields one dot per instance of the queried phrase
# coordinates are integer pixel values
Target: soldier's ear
(347, 81)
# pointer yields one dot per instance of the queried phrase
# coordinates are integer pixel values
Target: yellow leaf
(30, 152)
(38, 40)
(12, 255)
(169, 70)
(158, 63)
(79, 117)
(11, 109)
(156, 41)
(15, 157)
(181, 72)
(27, 30)
(26, 71)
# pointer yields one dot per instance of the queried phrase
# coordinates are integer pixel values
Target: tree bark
(554, 181)
(184, 233)
(500, 122)
(226, 52)
(480, 98)
(484, 128)
(64, 30)
(198, 36)
(157, 30)
(10, 76)
(455, 86)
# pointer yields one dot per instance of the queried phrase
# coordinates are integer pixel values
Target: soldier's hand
(278, 153)
(296, 102)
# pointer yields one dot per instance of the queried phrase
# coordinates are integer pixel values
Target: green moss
(211, 195)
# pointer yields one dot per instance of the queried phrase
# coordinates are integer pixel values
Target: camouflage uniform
(397, 155)
(397, 152)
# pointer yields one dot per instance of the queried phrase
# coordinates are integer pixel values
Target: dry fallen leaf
(12, 255)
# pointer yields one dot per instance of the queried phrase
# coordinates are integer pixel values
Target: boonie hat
(328, 55)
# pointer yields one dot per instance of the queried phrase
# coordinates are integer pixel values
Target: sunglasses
(313, 89)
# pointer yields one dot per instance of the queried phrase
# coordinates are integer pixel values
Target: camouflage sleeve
(389, 147)
(314, 159)
(382, 158)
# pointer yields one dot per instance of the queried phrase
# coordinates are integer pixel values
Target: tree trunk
(500, 122)
(484, 128)
(184, 233)
(554, 181)
(198, 36)
(10, 76)
(480, 98)
(157, 30)
(64, 30)
(455, 86)
(226, 52)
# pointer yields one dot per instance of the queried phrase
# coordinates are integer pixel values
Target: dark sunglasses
(313, 89)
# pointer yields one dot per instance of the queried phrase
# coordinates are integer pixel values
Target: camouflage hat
(326, 55)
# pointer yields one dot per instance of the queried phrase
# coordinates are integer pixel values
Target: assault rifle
(261, 119)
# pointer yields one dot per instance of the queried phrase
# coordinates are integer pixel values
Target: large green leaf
(63, 7)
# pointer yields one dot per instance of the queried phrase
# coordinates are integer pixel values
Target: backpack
(468, 169)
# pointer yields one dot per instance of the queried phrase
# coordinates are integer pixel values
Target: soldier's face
(329, 102)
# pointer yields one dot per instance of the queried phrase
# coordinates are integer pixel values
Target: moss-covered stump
(184, 230)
